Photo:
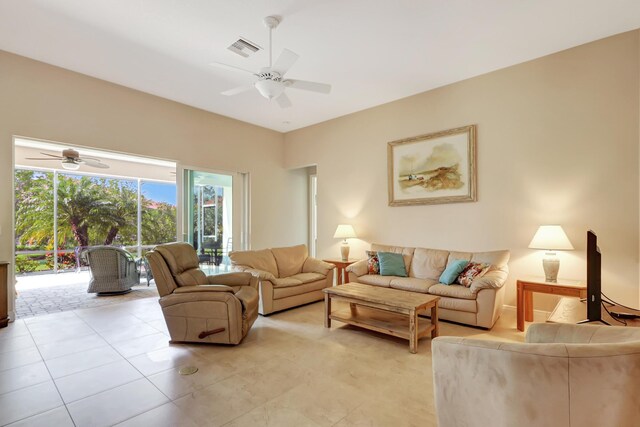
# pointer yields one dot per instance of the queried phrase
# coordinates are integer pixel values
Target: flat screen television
(594, 280)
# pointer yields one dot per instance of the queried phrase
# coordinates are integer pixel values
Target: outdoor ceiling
(372, 52)
(120, 165)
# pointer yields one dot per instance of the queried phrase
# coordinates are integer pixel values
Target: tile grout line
(52, 380)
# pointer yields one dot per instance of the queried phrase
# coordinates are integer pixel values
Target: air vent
(244, 47)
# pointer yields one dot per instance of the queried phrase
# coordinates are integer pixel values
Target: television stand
(585, 321)
(572, 310)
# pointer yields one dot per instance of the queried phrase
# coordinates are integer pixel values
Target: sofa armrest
(313, 265)
(260, 274)
(359, 268)
(493, 279)
(203, 288)
(231, 279)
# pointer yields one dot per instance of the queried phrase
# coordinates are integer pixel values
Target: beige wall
(42, 101)
(557, 144)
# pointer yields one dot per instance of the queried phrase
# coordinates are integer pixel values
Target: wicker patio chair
(113, 270)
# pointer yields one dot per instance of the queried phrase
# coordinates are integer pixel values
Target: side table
(341, 276)
(526, 288)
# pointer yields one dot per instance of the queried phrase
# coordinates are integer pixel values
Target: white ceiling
(371, 51)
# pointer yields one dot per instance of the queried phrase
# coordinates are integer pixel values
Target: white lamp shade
(551, 237)
(344, 231)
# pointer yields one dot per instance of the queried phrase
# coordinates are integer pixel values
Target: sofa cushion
(497, 259)
(450, 274)
(290, 259)
(453, 291)
(376, 280)
(407, 253)
(428, 263)
(391, 264)
(304, 288)
(458, 304)
(308, 277)
(412, 284)
(471, 271)
(454, 256)
(285, 282)
(259, 260)
(373, 263)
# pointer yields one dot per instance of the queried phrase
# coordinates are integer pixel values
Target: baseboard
(537, 314)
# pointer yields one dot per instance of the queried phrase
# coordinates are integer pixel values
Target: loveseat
(480, 304)
(288, 277)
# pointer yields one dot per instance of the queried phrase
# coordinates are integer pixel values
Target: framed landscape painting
(435, 168)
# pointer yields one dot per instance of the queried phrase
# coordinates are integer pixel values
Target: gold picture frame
(435, 168)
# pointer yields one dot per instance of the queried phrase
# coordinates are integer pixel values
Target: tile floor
(40, 294)
(113, 365)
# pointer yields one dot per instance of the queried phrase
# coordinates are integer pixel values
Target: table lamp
(344, 231)
(551, 238)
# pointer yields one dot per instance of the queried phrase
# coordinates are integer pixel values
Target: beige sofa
(478, 305)
(563, 376)
(288, 277)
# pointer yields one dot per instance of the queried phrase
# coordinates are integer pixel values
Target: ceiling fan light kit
(271, 83)
(70, 165)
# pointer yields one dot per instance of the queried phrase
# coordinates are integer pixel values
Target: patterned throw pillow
(471, 271)
(373, 263)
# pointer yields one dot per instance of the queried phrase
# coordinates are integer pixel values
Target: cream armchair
(200, 308)
(288, 277)
(564, 375)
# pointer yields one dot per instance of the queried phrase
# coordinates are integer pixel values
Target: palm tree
(80, 204)
(34, 206)
(121, 209)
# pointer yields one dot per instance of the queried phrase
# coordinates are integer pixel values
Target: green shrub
(25, 264)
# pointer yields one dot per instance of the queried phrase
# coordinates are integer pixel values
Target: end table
(341, 276)
(526, 288)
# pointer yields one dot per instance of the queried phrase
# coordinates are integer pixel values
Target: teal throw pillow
(391, 264)
(450, 274)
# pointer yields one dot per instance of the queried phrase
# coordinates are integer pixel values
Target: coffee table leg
(413, 331)
(327, 311)
(434, 321)
(352, 307)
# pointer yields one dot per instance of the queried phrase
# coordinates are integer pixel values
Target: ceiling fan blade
(42, 158)
(52, 155)
(237, 90)
(231, 68)
(305, 85)
(93, 163)
(285, 61)
(283, 101)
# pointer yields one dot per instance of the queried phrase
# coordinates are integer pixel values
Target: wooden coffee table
(385, 310)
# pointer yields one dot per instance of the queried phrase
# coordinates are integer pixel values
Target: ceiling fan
(271, 82)
(71, 160)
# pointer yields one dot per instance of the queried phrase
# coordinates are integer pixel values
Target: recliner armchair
(564, 375)
(199, 308)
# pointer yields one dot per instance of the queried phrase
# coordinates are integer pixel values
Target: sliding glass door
(212, 215)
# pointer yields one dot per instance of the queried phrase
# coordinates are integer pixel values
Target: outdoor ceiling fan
(271, 82)
(71, 160)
